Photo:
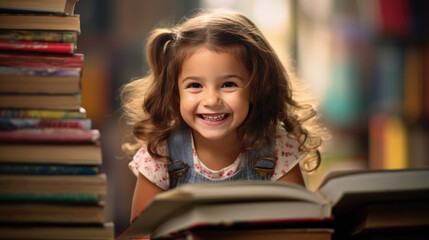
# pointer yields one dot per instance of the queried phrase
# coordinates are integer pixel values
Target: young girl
(216, 106)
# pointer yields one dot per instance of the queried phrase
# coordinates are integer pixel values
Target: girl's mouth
(213, 117)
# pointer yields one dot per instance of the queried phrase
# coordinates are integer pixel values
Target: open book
(254, 202)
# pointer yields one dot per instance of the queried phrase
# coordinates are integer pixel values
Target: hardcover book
(65, 7)
(54, 154)
(50, 135)
(52, 213)
(39, 36)
(57, 231)
(41, 101)
(37, 60)
(40, 22)
(40, 84)
(29, 46)
(56, 184)
(42, 113)
(17, 72)
(38, 123)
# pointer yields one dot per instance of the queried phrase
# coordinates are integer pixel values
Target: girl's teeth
(213, 118)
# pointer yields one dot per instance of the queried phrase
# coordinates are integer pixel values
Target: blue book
(85, 199)
(48, 170)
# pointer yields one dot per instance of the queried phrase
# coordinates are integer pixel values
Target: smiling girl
(216, 106)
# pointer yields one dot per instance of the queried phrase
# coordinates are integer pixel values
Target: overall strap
(263, 162)
(180, 151)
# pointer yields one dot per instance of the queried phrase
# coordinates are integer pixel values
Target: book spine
(49, 198)
(426, 86)
(38, 46)
(24, 123)
(44, 101)
(5, 71)
(46, 60)
(55, 135)
(39, 36)
(394, 17)
(31, 22)
(413, 78)
(48, 170)
(40, 113)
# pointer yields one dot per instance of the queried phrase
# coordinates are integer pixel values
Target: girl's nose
(212, 98)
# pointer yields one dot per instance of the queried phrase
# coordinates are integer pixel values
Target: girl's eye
(229, 84)
(193, 85)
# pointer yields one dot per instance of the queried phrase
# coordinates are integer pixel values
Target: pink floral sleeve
(154, 170)
(286, 154)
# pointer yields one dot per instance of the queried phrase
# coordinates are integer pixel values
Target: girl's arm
(293, 176)
(144, 192)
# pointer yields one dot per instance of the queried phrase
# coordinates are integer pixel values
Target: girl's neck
(217, 154)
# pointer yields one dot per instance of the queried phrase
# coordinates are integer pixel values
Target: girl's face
(214, 98)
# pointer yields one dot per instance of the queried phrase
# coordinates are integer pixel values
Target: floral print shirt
(286, 154)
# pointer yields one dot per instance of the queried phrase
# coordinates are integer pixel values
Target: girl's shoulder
(154, 170)
(286, 139)
(286, 153)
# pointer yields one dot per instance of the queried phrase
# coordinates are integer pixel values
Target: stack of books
(50, 182)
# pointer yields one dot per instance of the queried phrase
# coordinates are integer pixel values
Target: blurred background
(367, 62)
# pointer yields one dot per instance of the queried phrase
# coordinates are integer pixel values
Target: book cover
(40, 22)
(248, 215)
(39, 123)
(257, 234)
(394, 17)
(64, 7)
(42, 113)
(48, 153)
(77, 198)
(40, 84)
(426, 85)
(41, 101)
(340, 194)
(27, 46)
(25, 169)
(6, 72)
(37, 60)
(392, 215)
(50, 135)
(257, 198)
(51, 213)
(38, 36)
(55, 184)
(103, 231)
(413, 84)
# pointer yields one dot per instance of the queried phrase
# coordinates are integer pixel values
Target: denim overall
(258, 166)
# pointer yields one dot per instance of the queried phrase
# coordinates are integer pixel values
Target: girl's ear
(157, 49)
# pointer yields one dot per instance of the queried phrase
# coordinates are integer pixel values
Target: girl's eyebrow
(231, 76)
(225, 77)
(192, 78)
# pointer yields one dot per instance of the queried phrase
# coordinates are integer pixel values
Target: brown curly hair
(151, 104)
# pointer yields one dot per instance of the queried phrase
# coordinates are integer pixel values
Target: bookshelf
(375, 84)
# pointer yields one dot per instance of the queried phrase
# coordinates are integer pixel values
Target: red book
(38, 46)
(394, 17)
(37, 60)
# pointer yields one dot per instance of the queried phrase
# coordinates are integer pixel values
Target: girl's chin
(213, 135)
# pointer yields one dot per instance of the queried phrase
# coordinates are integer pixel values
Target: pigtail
(156, 49)
(161, 102)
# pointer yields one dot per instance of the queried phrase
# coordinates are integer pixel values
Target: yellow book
(395, 147)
